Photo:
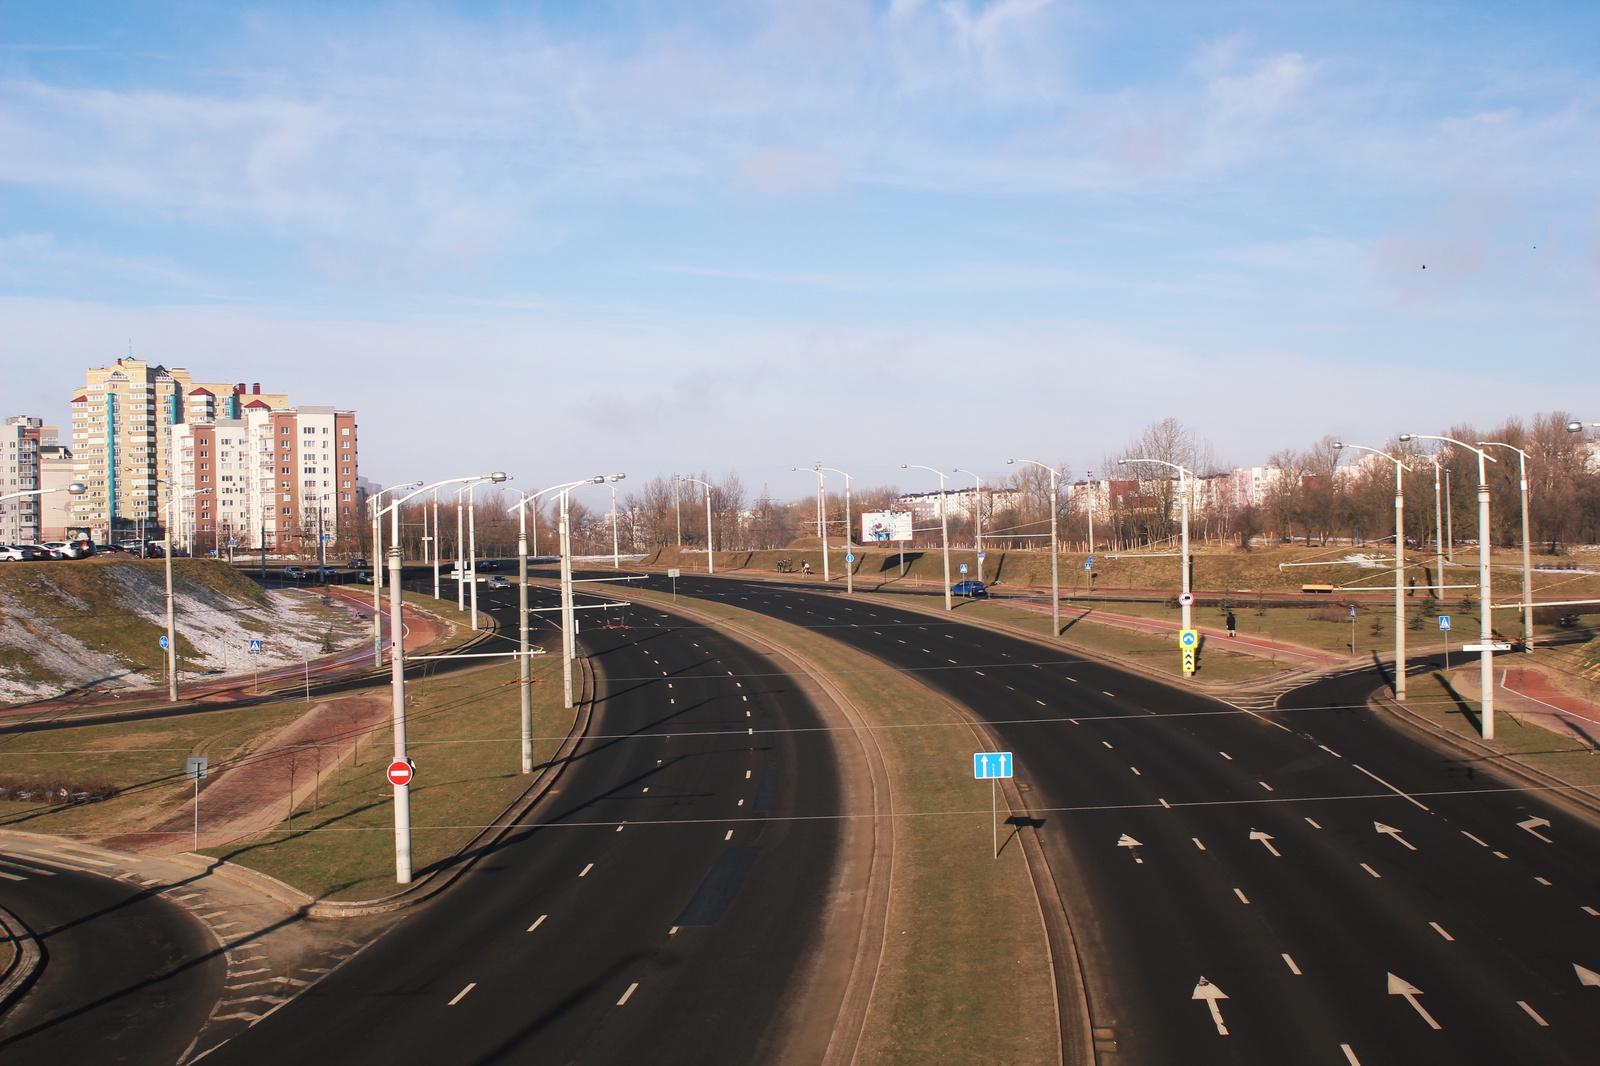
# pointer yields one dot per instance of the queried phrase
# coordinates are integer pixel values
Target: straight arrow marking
(1392, 831)
(1211, 994)
(1126, 841)
(1533, 824)
(1398, 987)
(1266, 839)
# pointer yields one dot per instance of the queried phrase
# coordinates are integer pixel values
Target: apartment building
(56, 475)
(122, 423)
(273, 478)
(19, 471)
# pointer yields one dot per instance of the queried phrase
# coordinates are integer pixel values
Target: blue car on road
(969, 589)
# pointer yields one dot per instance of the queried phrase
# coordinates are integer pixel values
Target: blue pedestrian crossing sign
(1088, 564)
(163, 642)
(963, 568)
(255, 647)
(1444, 622)
(991, 764)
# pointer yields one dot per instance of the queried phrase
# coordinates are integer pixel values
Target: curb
(26, 961)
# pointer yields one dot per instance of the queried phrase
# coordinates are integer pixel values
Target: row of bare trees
(1318, 494)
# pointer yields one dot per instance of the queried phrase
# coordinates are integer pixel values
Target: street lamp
(711, 566)
(172, 635)
(1438, 526)
(376, 563)
(822, 513)
(1399, 568)
(1485, 623)
(1055, 553)
(1527, 552)
(1089, 477)
(1186, 599)
(944, 531)
(568, 642)
(524, 667)
(849, 534)
(977, 520)
(397, 673)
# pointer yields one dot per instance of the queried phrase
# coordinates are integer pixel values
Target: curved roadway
(1309, 886)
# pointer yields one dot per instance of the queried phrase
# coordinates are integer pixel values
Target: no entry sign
(400, 772)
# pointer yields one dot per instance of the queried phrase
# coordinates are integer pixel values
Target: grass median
(965, 975)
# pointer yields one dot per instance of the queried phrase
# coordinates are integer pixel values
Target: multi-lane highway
(663, 906)
(1309, 886)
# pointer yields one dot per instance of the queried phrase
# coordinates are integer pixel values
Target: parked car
(969, 589)
(71, 549)
(14, 553)
(498, 582)
(488, 564)
(356, 563)
(294, 573)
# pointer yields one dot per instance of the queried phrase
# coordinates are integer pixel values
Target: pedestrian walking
(1233, 624)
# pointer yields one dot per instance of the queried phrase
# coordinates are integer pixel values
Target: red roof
(258, 405)
(80, 399)
(202, 392)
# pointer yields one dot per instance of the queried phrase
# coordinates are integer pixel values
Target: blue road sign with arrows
(163, 642)
(991, 764)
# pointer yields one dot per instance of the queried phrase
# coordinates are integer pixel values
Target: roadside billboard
(880, 526)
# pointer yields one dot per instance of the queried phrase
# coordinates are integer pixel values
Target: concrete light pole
(569, 643)
(1399, 567)
(1438, 526)
(1485, 622)
(1527, 551)
(1055, 546)
(849, 534)
(822, 504)
(524, 667)
(1184, 600)
(616, 544)
(977, 520)
(436, 544)
(397, 675)
(711, 565)
(944, 531)
(172, 632)
(1089, 477)
(376, 562)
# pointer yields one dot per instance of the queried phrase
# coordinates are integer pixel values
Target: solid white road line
(1533, 1014)
(462, 994)
(627, 994)
(1437, 928)
(537, 922)
(12, 877)
(586, 870)
(1388, 786)
(1292, 967)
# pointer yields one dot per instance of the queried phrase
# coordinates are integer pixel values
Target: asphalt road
(128, 977)
(659, 909)
(1310, 886)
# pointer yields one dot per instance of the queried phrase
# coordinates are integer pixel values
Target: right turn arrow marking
(1211, 993)
(1397, 987)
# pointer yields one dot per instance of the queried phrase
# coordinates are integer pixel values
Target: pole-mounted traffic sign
(1189, 643)
(401, 772)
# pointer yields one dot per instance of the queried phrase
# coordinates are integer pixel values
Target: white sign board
(880, 526)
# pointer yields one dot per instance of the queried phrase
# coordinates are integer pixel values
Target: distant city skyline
(560, 240)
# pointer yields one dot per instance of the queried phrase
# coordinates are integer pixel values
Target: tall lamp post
(849, 534)
(1186, 599)
(377, 564)
(1399, 566)
(1438, 526)
(397, 674)
(1089, 477)
(977, 520)
(524, 667)
(944, 531)
(1527, 551)
(569, 642)
(1485, 622)
(822, 506)
(172, 633)
(711, 565)
(1055, 550)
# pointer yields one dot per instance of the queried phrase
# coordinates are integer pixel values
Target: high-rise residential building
(19, 471)
(122, 423)
(277, 478)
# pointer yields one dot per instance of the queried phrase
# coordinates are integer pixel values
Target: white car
(10, 553)
(69, 549)
(498, 582)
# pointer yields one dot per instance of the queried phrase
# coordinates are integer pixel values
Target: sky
(563, 239)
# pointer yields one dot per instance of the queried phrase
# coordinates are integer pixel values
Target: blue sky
(563, 238)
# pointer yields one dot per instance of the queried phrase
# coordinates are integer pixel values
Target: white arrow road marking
(1397, 987)
(1127, 841)
(1211, 993)
(1392, 831)
(1266, 839)
(1533, 824)
(1587, 976)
